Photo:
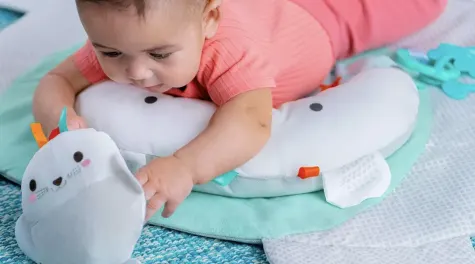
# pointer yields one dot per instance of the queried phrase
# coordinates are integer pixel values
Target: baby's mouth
(161, 88)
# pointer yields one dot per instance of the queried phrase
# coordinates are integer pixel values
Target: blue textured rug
(157, 245)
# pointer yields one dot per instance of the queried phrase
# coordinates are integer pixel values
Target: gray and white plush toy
(81, 204)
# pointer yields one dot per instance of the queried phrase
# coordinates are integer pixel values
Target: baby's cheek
(114, 72)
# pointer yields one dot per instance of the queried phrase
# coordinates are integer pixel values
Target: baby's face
(159, 51)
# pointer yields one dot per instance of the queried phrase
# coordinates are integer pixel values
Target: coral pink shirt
(271, 43)
(358, 25)
(284, 45)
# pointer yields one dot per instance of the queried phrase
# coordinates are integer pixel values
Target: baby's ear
(211, 18)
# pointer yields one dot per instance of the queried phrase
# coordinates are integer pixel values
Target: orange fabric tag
(309, 172)
(38, 134)
(324, 87)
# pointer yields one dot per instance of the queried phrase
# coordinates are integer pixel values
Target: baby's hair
(140, 5)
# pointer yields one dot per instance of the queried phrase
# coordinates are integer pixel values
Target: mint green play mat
(243, 220)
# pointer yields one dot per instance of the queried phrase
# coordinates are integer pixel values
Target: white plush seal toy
(336, 140)
(81, 204)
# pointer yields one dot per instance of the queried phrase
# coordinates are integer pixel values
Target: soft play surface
(248, 221)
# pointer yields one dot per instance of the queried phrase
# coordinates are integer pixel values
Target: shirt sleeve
(229, 68)
(86, 61)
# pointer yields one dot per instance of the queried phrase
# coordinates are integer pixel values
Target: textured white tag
(367, 177)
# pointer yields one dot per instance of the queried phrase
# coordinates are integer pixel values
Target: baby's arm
(238, 77)
(57, 90)
(235, 134)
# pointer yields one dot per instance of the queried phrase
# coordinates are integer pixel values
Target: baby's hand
(75, 122)
(165, 181)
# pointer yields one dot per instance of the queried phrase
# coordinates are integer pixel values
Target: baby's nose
(138, 73)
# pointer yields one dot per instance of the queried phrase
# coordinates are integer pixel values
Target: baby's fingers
(143, 175)
(153, 205)
(170, 208)
(72, 120)
(76, 123)
(149, 189)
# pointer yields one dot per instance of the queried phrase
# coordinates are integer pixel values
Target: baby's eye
(160, 56)
(111, 54)
(32, 185)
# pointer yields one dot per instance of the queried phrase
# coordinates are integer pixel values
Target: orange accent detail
(54, 133)
(38, 134)
(324, 87)
(309, 172)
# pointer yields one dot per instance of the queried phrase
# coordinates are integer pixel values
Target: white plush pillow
(374, 111)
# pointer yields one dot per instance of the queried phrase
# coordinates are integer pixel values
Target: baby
(246, 56)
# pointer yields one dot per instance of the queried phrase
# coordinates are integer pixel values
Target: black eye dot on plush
(32, 185)
(78, 156)
(150, 99)
(317, 107)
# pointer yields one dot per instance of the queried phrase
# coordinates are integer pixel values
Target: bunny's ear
(38, 134)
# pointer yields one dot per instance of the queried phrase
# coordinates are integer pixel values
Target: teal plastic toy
(463, 58)
(457, 90)
(226, 178)
(63, 124)
(442, 67)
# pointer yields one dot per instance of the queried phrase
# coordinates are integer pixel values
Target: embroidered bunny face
(62, 169)
(45, 185)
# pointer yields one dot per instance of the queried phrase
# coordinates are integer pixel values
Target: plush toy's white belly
(339, 125)
(375, 111)
(79, 233)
